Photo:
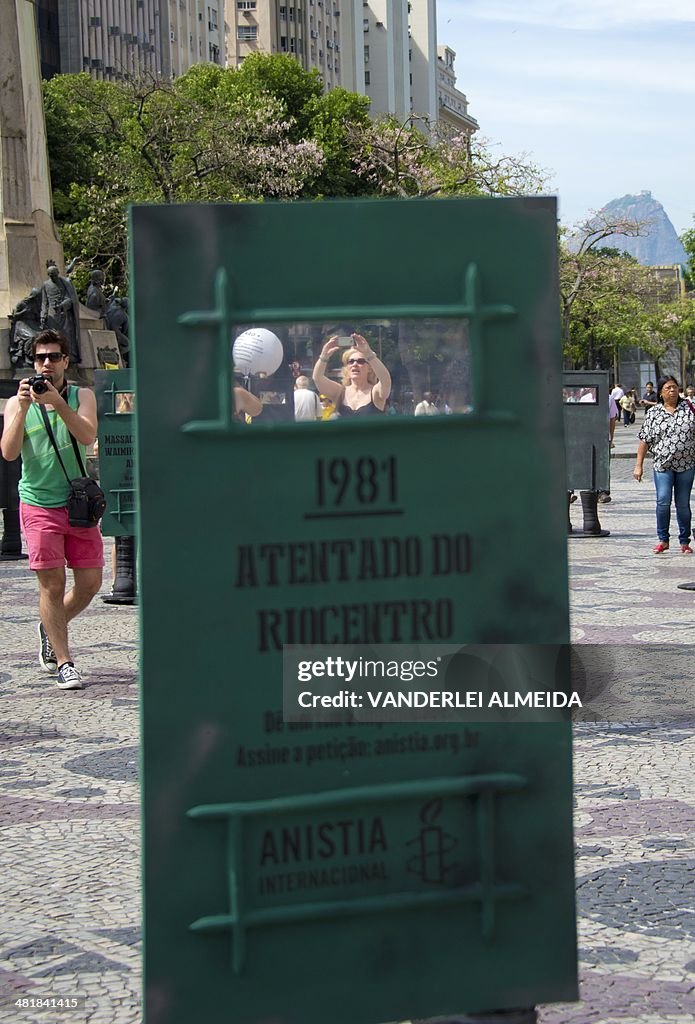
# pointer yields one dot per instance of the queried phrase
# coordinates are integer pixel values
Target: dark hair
(664, 380)
(50, 337)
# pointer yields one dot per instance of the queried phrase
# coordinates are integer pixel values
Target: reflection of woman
(668, 432)
(366, 381)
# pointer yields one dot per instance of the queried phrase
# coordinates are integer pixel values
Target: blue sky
(600, 93)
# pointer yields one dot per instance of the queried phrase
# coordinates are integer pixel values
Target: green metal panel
(116, 450)
(365, 872)
(585, 404)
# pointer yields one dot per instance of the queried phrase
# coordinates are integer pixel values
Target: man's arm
(14, 419)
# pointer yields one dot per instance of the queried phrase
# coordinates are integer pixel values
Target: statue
(25, 322)
(116, 319)
(95, 292)
(60, 309)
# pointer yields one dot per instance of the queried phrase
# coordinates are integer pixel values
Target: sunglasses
(53, 357)
(360, 362)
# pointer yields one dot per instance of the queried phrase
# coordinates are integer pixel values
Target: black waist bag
(86, 501)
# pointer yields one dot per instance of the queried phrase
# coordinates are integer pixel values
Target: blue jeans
(669, 482)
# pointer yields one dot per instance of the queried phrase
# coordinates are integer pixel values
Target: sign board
(385, 872)
(115, 405)
(585, 405)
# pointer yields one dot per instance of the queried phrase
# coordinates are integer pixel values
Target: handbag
(86, 501)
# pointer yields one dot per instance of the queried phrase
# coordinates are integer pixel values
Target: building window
(246, 5)
(365, 24)
(247, 32)
(366, 55)
(283, 44)
(367, 78)
(283, 14)
(212, 18)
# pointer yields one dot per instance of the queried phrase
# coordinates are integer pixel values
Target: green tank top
(43, 482)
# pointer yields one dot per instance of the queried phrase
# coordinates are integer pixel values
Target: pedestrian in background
(428, 406)
(650, 396)
(668, 432)
(307, 405)
(628, 404)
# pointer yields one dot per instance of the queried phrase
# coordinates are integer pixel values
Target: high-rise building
(321, 34)
(115, 39)
(453, 105)
(384, 49)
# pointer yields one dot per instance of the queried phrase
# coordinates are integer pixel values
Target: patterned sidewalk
(69, 813)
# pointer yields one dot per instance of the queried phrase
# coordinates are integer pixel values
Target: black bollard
(11, 546)
(591, 527)
(489, 1017)
(124, 590)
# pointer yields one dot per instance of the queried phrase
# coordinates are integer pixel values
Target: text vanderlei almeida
(328, 672)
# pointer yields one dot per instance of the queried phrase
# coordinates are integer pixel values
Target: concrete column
(28, 235)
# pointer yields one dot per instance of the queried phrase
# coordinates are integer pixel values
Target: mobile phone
(345, 341)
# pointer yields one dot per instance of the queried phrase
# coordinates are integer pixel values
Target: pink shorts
(52, 541)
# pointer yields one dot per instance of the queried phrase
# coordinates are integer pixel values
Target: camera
(38, 384)
(345, 342)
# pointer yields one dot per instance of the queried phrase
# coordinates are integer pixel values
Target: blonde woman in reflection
(366, 381)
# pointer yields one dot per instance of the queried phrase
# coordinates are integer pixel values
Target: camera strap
(49, 431)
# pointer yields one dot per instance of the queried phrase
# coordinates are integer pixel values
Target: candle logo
(432, 844)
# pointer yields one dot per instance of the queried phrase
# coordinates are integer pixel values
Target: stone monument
(29, 239)
(28, 236)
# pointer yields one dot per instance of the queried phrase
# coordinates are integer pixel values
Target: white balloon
(257, 351)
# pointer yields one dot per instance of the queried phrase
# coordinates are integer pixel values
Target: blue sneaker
(69, 678)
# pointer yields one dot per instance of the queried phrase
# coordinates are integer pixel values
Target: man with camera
(44, 490)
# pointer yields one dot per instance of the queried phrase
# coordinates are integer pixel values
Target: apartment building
(453, 105)
(384, 49)
(115, 39)
(322, 34)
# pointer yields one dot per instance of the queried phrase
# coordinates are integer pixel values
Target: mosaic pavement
(69, 817)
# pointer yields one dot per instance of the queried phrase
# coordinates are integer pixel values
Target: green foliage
(211, 135)
(335, 120)
(264, 130)
(610, 301)
(282, 77)
(688, 240)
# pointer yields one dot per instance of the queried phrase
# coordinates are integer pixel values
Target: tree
(204, 137)
(609, 301)
(413, 158)
(688, 240)
(263, 130)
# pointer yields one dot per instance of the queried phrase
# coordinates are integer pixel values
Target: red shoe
(686, 549)
(661, 547)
